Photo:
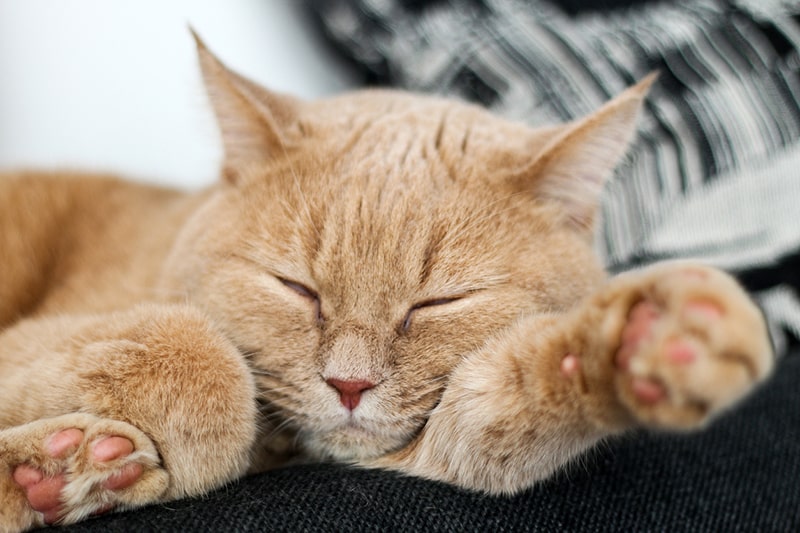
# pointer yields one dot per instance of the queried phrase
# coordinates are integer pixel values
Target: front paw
(690, 345)
(77, 465)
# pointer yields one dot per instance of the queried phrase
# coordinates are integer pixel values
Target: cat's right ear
(252, 120)
(572, 169)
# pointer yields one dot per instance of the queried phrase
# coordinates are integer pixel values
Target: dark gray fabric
(741, 474)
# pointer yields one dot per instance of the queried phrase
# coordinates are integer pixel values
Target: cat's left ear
(252, 120)
(573, 168)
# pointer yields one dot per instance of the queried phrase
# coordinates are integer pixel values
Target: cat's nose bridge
(354, 355)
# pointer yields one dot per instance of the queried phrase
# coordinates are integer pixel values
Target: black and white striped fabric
(715, 172)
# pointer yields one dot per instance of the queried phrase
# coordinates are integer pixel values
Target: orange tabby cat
(386, 279)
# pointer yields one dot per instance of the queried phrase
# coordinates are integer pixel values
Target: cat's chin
(351, 443)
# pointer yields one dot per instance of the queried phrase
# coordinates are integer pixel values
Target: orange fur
(421, 245)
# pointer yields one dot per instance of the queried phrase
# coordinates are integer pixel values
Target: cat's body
(387, 279)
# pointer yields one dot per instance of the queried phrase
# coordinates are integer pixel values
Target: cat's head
(360, 246)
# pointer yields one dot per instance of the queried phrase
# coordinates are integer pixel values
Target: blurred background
(115, 86)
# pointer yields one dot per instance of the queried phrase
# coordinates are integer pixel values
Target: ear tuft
(573, 168)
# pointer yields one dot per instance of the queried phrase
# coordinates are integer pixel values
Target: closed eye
(306, 293)
(427, 303)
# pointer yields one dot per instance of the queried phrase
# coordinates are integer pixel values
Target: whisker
(280, 427)
(262, 372)
(278, 389)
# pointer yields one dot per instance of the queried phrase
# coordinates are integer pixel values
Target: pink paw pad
(708, 309)
(681, 352)
(640, 322)
(111, 448)
(127, 476)
(695, 273)
(64, 441)
(647, 390)
(44, 493)
(570, 366)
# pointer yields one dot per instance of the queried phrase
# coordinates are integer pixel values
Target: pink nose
(349, 391)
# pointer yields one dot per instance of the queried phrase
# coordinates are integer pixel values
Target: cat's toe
(124, 477)
(42, 492)
(64, 442)
(117, 448)
(27, 476)
(638, 328)
(117, 467)
(110, 448)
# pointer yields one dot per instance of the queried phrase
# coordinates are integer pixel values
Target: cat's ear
(252, 120)
(574, 166)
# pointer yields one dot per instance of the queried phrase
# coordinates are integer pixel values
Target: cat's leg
(119, 411)
(667, 347)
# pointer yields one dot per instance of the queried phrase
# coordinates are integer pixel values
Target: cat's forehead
(396, 192)
(362, 233)
(394, 128)
(399, 161)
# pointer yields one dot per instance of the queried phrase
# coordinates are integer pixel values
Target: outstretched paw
(691, 345)
(79, 465)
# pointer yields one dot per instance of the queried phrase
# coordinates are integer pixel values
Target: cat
(379, 278)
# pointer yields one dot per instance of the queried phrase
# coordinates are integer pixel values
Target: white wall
(114, 85)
